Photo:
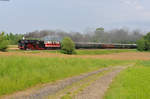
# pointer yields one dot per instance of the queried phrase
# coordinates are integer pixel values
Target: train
(47, 45)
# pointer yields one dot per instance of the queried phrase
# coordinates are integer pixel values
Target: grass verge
(133, 83)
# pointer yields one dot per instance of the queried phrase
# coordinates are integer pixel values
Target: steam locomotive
(46, 45)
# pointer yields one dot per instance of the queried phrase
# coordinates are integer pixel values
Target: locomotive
(38, 45)
(46, 45)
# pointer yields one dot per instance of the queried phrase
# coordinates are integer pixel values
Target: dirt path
(99, 87)
(50, 89)
(92, 85)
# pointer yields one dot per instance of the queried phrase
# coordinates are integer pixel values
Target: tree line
(9, 39)
(13, 38)
(99, 35)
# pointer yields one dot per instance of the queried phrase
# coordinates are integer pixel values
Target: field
(103, 51)
(133, 83)
(22, 70)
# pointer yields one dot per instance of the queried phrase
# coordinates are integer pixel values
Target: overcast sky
(20, 16)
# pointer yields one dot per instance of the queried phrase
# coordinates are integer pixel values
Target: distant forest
(99, 36)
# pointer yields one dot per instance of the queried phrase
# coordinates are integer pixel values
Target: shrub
(141, 44)
(3, 42)
(68, 46)
(144, 43)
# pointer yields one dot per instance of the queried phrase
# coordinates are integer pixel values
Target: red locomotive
(38, 44)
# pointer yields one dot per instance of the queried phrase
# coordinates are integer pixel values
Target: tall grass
(133, 83)
(21, 72)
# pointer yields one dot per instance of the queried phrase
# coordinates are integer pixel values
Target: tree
(99, 35)
(68, 46)
(144, 43)
(100, 29)
(3, 42)
(141, 44)
(13, 38)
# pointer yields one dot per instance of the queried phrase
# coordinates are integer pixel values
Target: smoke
(100, 36)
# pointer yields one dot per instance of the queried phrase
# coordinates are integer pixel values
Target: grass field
(21, 72)
(103, 51)
(133, 83)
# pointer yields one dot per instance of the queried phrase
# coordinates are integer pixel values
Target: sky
(21, 16)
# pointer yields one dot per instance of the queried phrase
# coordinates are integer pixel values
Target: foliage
(141, 45)
(13, 38)
(68, 46)
(133, 83)
(3, 42)
(20, 72)
(100, 29)
(144, 43)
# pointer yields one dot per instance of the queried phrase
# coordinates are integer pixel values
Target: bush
(3, 42)
(68, 46)
(144, 43)
(141, 44)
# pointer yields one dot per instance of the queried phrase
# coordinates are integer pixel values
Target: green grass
(22, 72)
(133, 83)
(103, 51)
